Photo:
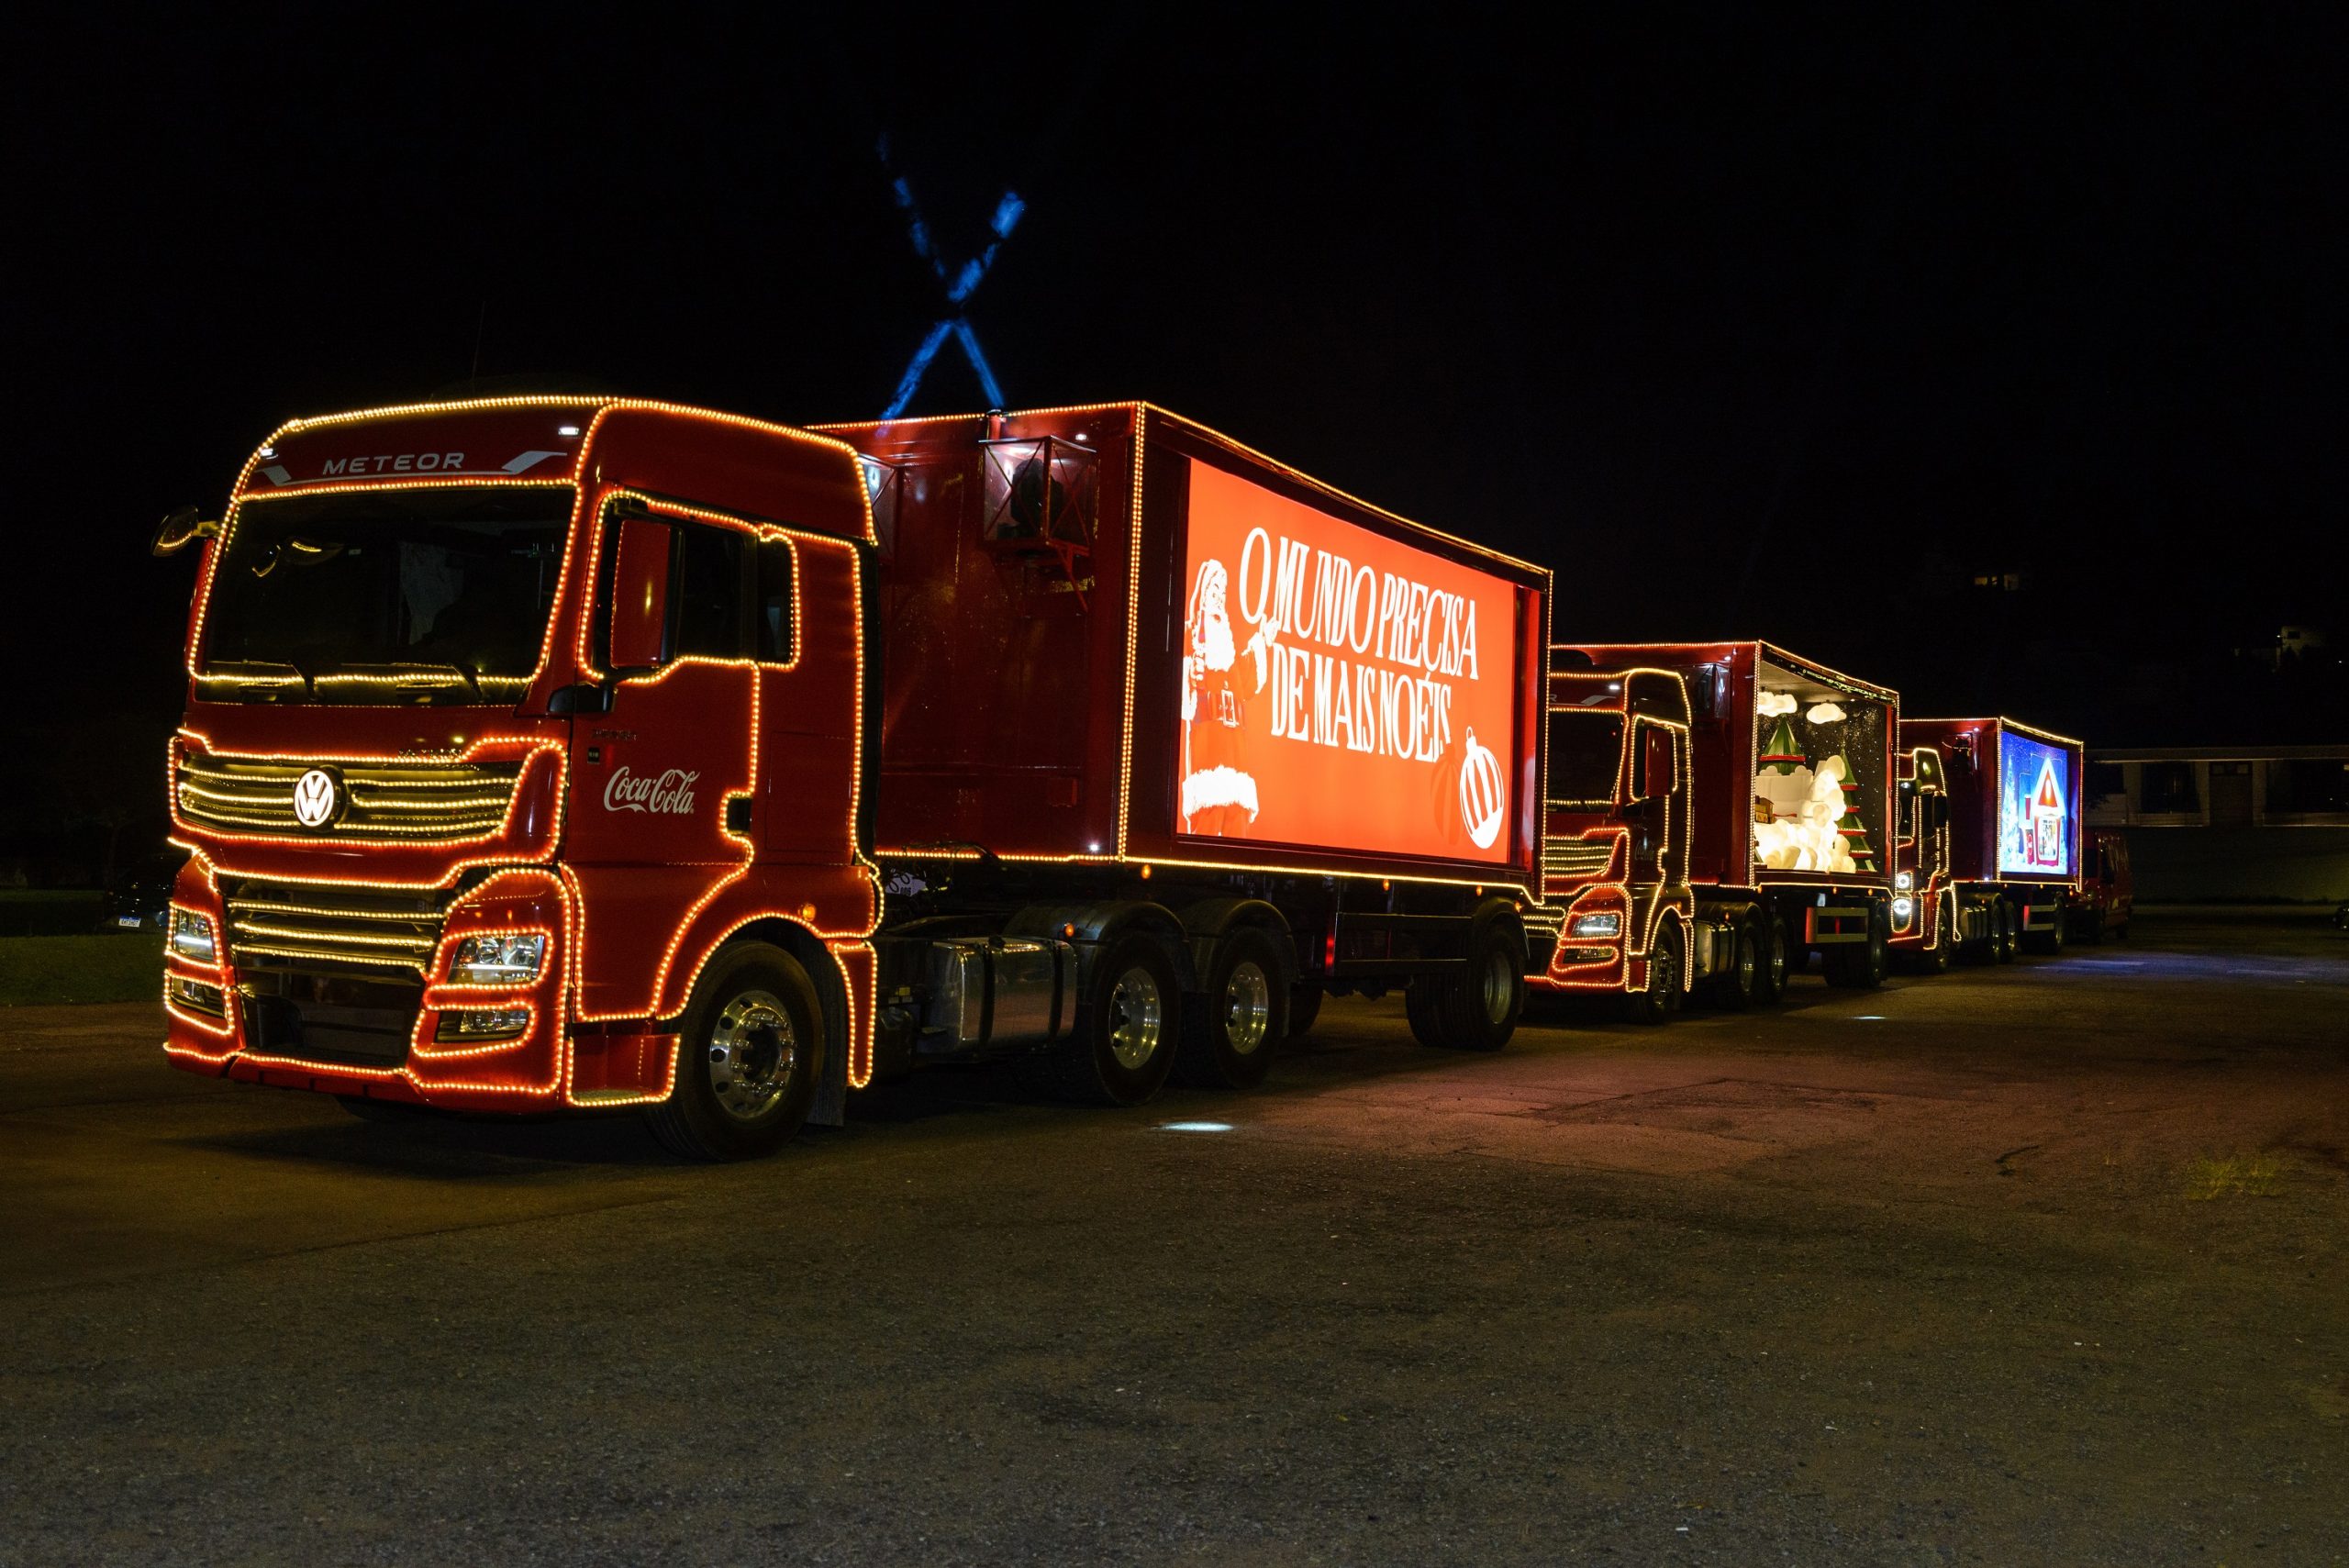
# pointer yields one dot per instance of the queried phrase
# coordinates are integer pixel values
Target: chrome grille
(330, 930)
(388, 803)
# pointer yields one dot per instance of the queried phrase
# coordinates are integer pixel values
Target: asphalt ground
(2040, 1265)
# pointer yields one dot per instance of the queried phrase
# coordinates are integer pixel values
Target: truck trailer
(1989, 840)
(577, 753)
(1716, 814)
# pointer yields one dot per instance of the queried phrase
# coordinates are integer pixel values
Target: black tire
(2048, 943)
(1229, 1030)
(1770, 981)
(1937, 955)
(1862, 966)
(1303, 1007)
(1421, 1002)
(1478, 1004)
(1661, 997)
(2004, 944)
(1737, 986)
(749, 1054)
(1127, 1028)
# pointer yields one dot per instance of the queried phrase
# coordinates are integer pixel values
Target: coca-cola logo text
(670, 794)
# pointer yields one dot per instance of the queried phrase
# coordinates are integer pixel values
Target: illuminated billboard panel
(1340, 690)
(2034, 808)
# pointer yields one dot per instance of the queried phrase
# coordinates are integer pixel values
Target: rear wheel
(1124, 1043)
(1420, 1006)
(748, 1049)
(1480, 1006)
(1303, 1007)
(1769, 979)
(1735, 985)
(2050, 942)
(1860, 966)
(1228, 1040)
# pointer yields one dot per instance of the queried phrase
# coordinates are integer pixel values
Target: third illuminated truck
(1989, 839)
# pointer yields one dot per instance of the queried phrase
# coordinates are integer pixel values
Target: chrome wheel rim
(1247, 1007)
(752, 1055)
(1137, 1016)
(1499, 986)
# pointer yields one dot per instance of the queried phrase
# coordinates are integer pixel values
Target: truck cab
(1619, 911)
(474, 772)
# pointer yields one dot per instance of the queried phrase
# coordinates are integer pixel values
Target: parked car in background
(141, 898)
(2107, 892)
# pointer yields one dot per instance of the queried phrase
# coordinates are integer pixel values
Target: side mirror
(181, 528)
(640, 628)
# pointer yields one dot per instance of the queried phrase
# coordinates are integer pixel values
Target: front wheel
(750, 1047)
(1943, 947)
(1228, 1040)
(1661, 997)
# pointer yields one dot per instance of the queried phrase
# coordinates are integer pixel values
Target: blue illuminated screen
(2035, 808)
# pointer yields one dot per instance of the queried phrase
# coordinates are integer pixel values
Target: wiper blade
(405, 675)
(259, 672)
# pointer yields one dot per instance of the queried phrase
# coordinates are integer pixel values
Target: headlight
(1598, 926)
(1904, 880)
(504, 959)
(1902, 909)
(192, 936)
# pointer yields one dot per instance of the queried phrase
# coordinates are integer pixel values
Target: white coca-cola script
(670, 794)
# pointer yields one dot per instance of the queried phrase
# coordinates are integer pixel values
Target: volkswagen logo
(317, 798)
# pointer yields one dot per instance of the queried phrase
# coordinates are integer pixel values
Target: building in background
(2234, 823)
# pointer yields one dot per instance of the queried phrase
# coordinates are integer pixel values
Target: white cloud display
(1825, 713)
(1770, 705)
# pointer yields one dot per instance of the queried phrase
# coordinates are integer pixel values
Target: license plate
(133, 921)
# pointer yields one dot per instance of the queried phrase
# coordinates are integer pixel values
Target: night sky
(1749, 324)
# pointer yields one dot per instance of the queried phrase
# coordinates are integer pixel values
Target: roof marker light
(1195, 1126)
(269, 451)
(566, 429)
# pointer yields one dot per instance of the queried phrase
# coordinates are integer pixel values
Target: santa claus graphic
(1219, 792)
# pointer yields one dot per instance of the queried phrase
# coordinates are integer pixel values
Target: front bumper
(347, 990)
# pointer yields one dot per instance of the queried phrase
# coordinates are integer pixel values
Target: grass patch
(2233, 1176)
(36, 970)
(49, 912)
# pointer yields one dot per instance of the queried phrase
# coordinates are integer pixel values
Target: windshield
(1586, 754)
(407, 595)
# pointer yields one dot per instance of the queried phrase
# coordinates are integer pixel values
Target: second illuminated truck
(1716, 814)
(576, 753)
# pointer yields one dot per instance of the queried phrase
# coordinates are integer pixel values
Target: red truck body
(1990, 845)
(535, 746)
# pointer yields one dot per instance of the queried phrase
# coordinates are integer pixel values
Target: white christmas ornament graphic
(1484, 797)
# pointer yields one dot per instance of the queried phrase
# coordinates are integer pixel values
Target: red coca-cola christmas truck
(1715, 813)
(1989, 839)
(545, 753)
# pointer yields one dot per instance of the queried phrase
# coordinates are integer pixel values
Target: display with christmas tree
(1855, 831)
